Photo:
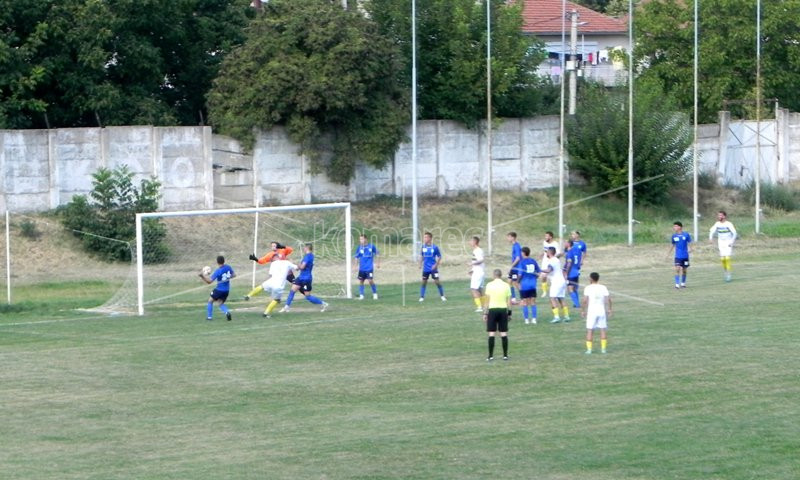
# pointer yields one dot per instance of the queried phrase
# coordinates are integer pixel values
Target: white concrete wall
(790, 145)
(728, 149)
(43, 169)
(450, 158)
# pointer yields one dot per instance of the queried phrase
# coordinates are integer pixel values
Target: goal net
(172, 248)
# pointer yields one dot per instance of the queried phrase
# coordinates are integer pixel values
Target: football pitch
(700, 383)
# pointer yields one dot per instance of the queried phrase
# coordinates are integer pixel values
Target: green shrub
(27, 229)
(706, 180)
(779, 197)
(105, 222)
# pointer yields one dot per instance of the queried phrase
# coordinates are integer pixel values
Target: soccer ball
(206, 270)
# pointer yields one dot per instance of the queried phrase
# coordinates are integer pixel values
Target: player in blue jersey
(365, 256)
(429, 263)
(681, 244)
(529, 273)
(302, 283)
(222, 275)
(513, 271)
(575, 236)
(573, 259)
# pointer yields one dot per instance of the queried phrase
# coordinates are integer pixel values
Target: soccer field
(700, 383)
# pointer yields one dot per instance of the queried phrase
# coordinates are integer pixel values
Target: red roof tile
(544, 17)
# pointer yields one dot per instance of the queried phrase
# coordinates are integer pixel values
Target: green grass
(700, 383)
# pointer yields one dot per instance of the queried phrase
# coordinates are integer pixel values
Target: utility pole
(572, 66)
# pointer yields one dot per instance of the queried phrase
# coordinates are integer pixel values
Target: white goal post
(326, 225)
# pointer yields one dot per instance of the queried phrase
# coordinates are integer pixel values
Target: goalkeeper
(275, 249)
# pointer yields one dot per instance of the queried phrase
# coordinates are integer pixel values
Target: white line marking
(637, 298)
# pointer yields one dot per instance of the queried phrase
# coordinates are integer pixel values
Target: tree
(598, 141)
(324, 73)
(75, 63)
(451, 45)
(110, 213)
(727, 62)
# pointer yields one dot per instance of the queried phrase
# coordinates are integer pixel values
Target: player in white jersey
(547, 243)
(558, 285)
(726, 236)
(278, 271)
(477, 272)
(596, 308)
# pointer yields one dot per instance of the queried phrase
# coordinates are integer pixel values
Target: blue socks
(441, 290)
(422, 291)
(361, 289)
(533, 310)
(209, 309)
(513, 293)
(524, 311)
(677, 279)
(576, 301)
(314, 300)
(683, 279)
(290, 298)
(224, 308)
(374, 288)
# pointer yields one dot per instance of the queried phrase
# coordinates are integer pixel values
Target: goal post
(172, 247)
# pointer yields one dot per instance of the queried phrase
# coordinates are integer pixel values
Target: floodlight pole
(561, 124)
(8, 257)
(630, 123)
(758, 117)
(695, 212)
(489, 124)
(414, 202)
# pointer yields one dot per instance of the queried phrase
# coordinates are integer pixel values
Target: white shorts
(596, 320)
(725, 249)
(272, 291)
(558, 289)
(476, 281)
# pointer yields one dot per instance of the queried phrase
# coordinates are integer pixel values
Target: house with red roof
(597, 36)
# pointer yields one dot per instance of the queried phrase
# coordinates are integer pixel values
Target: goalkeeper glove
(253, 257)
(279, 246)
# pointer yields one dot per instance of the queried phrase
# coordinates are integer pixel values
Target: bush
(28, 230)
(598, 142)
(779, 197)
(106, 221)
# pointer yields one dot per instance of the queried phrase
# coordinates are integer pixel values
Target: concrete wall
(43, 169)
(450, 158)
(728, 149)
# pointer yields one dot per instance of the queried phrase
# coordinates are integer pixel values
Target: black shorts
(513, 276)
(573, 281)
(305, 285)
(497, 320)
(365, 275)
(219, 295)
(527, 293)
(682, 262)
(433, 274)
